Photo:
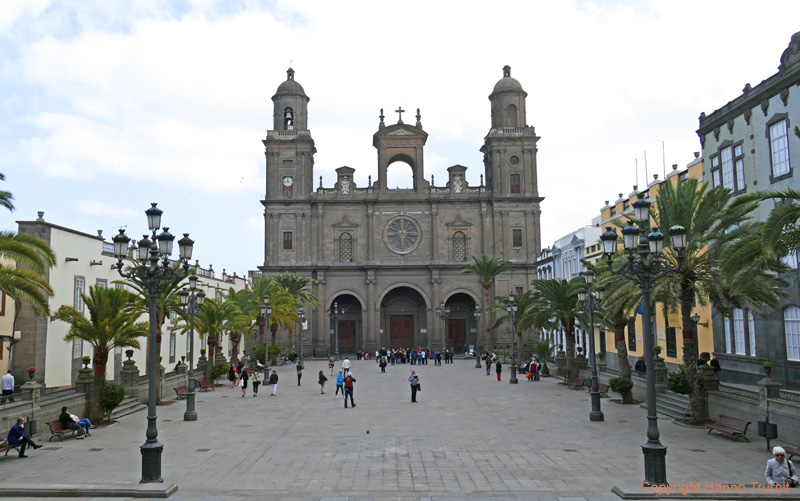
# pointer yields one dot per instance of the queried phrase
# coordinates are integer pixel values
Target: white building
(84, 260)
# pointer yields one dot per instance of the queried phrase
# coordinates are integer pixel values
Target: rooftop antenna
(645, 166)
(637, 171)
(664, 159)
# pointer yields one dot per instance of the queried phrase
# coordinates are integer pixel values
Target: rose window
(402, 235)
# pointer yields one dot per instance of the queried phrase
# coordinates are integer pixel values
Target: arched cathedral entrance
(403, 319)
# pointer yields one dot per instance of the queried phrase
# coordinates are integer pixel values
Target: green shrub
(562, 372)
(219, 370)
(620, 385)
(676, 381)
(111, 396)
(260, 354)
(275, 351)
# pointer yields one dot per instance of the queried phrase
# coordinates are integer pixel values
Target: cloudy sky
(108, 106)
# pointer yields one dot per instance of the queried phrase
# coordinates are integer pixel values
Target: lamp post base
(478, 360)
(655, 464)
(513, 379)
(596, 416)
(151, 462)
(191, 413)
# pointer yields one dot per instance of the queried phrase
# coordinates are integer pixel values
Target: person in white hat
(781, 471)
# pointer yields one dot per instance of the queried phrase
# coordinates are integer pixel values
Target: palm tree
(622, 298)
(245, 321)
(212, 320)
(284, 311)
(111, 323)
(24, 261)
(556, 299)
(167, 302)
(6, 198)
(296, 286)
(486, 268)
(780, 233)
(713, 226)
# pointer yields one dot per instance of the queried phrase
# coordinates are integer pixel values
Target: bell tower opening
(400, 175)
(288, 119)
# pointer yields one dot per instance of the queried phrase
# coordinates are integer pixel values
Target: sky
(106, 107)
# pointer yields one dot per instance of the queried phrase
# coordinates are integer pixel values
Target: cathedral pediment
(401, 130)
(458, 221)
(345, 224)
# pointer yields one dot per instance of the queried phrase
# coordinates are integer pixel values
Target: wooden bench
(575, 383)
(206, 385)
(181, 391)
(730, 425)
(56, 430)
(792, 451)
(9, 447)
(602, 389)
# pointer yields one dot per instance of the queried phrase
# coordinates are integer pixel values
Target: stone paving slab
(468, 437)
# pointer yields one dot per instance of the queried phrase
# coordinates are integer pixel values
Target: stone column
(183, 370)
(375, 340)
(712, 378)
(202, 366)
(370, 233)
(323, 338)
(35, 390)
(660, 372)
(129, 377)
(434, 233)
(84, 381)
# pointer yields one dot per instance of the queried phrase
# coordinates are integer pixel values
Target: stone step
(126, 407)
(671, 405)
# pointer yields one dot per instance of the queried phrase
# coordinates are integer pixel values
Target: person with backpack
(322, 380)
(348, 389)
(339, 384)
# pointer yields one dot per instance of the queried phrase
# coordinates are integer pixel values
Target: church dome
(507, 83)
(290, 87)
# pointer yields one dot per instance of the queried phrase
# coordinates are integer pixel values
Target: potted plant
(202, 352)
(86, 359)
(183, 358)
(768, 368)
(657, 349)
(31, 372)
(129, 354)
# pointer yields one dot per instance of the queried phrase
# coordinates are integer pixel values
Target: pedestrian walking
(339, 384)
(330, 365)
(299, 372)
(7, 383)
(498, 369)
(256, 379)
(322, 380)
(273, 383)
(383, 364)
(243, 378)
(488, 364)
(413, 380)
(232, 375)
(348, 389)
(346, 366)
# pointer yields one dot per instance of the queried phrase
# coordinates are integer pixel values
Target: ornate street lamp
(477, 314)
(591, 301)
(335, 314)
(152, 272)
(644, 271)
(443, 312)
(511, 309)
(191, 302)
(302, 315)
(266, 311)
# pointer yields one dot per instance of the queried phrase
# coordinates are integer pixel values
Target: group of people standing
(240, 376)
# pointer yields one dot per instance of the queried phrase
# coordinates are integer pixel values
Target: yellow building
(667, 328)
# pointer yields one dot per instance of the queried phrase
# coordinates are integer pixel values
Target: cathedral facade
(388, 258)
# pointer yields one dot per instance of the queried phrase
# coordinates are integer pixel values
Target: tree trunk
(690, 355)
(622, 360)
(157, 375)
(212, 349)
(99, 362)
(488, 318)
(572, 371)
(235, 340)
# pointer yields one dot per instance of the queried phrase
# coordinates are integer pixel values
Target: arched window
(345, 248)
(459, 247)
(791, 324)
(512, 115)
(288, 119)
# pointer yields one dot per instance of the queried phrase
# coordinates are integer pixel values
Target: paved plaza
(468, 436)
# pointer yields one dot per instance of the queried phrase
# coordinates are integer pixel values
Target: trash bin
(767, 430)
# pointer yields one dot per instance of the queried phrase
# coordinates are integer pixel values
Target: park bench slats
(181, 392)
(58, 431)
(206, 385)
(730, 425)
